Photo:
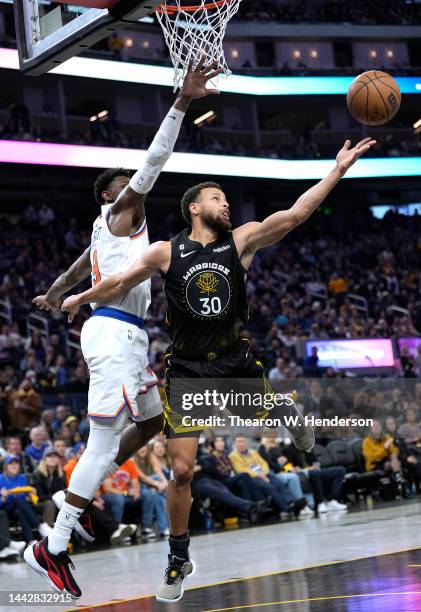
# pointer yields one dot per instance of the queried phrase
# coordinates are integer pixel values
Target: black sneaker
(53, 568)
(171, 588)
(297, 506)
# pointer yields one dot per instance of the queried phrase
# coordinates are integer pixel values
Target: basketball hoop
(193, 28)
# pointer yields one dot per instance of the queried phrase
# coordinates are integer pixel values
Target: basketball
(373, 97)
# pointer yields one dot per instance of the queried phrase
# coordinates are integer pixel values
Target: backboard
(49, 33)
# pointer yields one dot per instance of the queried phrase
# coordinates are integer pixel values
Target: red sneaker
(53, 568)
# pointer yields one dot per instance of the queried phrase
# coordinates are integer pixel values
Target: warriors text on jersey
(113, 254)
(205, 290)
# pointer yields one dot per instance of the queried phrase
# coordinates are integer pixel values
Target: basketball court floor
(365, 560)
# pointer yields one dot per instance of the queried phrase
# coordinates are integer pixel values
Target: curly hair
(105, 179)
(191, 195)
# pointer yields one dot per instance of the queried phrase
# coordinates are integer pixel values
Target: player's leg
(183, 454)
(149, 422)
(49, 557)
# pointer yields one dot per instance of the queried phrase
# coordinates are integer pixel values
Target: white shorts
(121, 379)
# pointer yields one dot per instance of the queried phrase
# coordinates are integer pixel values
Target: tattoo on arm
(77, 272)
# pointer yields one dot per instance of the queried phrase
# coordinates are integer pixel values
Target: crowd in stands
(305, 145)
(394, 12)
(237, 478)
(295, 290)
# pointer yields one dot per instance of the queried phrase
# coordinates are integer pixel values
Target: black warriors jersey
(206, 294)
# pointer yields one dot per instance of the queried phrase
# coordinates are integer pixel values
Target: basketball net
(193, 28)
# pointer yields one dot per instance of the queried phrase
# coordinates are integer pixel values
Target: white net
(195, 27)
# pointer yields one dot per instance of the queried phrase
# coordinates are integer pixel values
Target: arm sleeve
(158, 153)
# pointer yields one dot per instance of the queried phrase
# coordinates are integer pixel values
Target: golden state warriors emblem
(208, 293)
(207, 283)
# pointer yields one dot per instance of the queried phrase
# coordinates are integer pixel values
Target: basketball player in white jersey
(113, 341)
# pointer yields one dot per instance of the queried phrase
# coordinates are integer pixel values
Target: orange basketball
(373, 97)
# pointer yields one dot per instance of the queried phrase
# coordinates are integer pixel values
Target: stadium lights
(93, 118)
(203, 118)
(417, 124)
(49, 154)
(128, 72)
(103, 114)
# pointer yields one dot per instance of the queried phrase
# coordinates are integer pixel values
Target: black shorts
(223, 372)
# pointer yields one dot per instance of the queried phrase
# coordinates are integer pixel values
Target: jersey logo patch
(220, 249)
(207, 283)
(183, 255)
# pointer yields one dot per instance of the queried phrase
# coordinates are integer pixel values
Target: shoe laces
(173, 570)
(66, 560)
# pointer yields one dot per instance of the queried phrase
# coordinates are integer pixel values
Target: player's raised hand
(348, 155)
(44, 303)
(194, 85)
(71, 306)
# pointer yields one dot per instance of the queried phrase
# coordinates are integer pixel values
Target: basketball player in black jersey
(203, 269)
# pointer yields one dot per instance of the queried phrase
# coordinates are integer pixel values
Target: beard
(218, 224)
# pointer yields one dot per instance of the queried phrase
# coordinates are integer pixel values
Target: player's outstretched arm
(156, 258)
(78, 271)
(253, 236)
(128, 209)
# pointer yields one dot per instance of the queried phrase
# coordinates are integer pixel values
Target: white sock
(66, 520)
(111, 470)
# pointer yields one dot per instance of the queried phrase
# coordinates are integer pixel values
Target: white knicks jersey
(112, 255)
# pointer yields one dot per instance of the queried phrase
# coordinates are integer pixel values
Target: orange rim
(170, 10)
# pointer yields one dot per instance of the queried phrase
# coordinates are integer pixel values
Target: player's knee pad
(102, 449)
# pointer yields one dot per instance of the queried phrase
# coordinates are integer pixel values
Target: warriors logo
(207, 283)
(208, 294)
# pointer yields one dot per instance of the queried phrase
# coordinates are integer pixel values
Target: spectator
(60, 445)
(105, 527)
(410, 430)
(250, 462)
(35, 450)
(160, 451)
(79, 384)
(62, 412)
(25, 406)
(218, 465)
(153, 492)
(408, 364)
(380, 453)
(271, 452)
(14, 447)
(72, 423)
(312, 362)
(217, 491)
(48, 479)
(9, 549)
(325, 483)
(16, 505)
(122, 494)
(408, 456)
(277, 374)
(47, 417)
(68, 468)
